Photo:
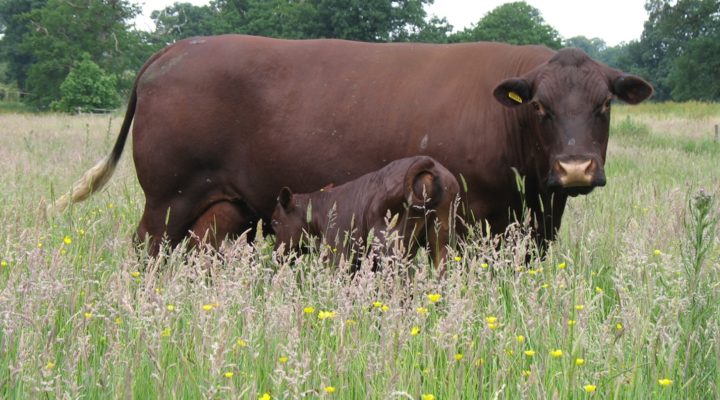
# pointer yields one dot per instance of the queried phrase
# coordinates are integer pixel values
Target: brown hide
(223, 123)
(418, 191)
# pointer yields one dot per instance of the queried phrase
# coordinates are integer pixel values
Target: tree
(61, 31)
(593, 47)
(13, 27)
(514, 23)
(182, 20)
(696, 73)
(87, 88)
(668, 34)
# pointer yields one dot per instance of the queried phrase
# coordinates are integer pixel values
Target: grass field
(625, 305)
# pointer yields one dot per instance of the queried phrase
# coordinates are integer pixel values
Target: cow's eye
(274, 222)
(539, 109)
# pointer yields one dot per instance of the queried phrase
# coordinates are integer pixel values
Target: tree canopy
(43, 40)
(514, 23)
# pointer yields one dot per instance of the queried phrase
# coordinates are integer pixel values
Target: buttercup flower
(309, 310)
(579, 362)
(665, 382)
(427, 396)
(229, 374)
(529, 353)
(329, 389)
(589, 388)
(557, 353)
(520, 338)
(434, 297)
(414, 331)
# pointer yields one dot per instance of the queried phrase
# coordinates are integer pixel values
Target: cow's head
(289, 219)
(570, 97)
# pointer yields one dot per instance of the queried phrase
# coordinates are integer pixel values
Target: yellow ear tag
(515, 97)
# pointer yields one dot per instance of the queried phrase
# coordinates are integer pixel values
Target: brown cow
(223, 123)
(418, 190)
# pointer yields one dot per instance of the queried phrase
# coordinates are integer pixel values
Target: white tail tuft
(92, 181)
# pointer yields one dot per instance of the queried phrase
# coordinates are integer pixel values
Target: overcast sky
(614, 21)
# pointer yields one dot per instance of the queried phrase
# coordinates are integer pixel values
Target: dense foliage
(87, 88)
(679, 51)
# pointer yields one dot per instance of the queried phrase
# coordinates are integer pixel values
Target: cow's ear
(285, 198)
(513, 92)
(631, 89)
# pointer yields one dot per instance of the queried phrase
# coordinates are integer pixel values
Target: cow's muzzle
(576, 175)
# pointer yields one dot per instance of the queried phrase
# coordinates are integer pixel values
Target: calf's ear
(285, 198)
(631, 89)
(513, 92)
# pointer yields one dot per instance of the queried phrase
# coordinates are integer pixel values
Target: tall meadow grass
(624, 305)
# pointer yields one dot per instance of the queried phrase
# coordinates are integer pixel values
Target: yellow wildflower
(229, 374)
(88, 315)
(384, 308)
(589, 388)
(520, 338)
(619, 326)
(571, 322)
(422, 311)
(326, 314)
(579, 307)
(170, 307)
(579, 362)
(67, 240)
(458, 356)
(427, 396)
(283, 359)
(491, 319)
(208, 307)
(3, 264)
(492, 326)
(241, 343)
(545, 285)
(529, 353)
(458, 258)
(118, 321)
(166, 332)
(329, 389)
(484, 265)
(414, 331)
(309, 310)
(434, 297)
(135, 274)
(665, 382)
(50, 365)
(598, 289)
(533, 272)
(562, 265)
(377, 304)
(657, 252)
(479, 362)
(526, 373)
(557, 353)
(265, 396)
(350, 322)
(81, 232)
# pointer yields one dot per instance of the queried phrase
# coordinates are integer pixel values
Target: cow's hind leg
(221, 220)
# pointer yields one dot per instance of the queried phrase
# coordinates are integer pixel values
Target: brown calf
(418, 190)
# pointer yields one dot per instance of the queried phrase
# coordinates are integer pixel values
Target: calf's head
(290, 219)
(569, 99)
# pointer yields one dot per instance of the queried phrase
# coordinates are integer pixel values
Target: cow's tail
(96, 177)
